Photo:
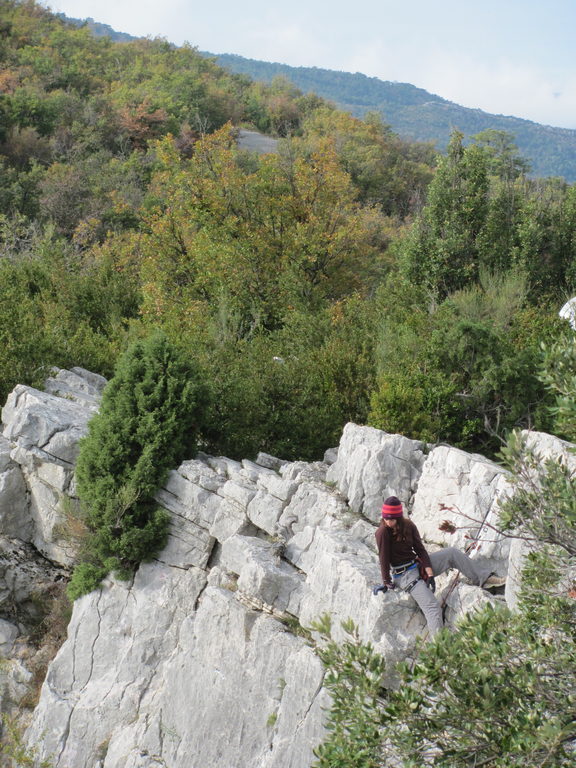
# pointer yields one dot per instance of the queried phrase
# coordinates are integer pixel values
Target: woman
(403, 558)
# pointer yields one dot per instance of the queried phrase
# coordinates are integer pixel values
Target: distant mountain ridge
(416, 114)
(412, 112)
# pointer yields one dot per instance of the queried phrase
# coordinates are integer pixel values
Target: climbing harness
(398, 570)
(411, 586)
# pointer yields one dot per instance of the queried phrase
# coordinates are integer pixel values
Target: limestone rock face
(25, 576)
(206, 657)
(15, 517)
(203, 655)
(41, 432)
(463, 490)
(545, 447)
(171, 669)
(550, 447)
(372, 465)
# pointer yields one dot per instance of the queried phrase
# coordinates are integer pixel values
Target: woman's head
(391, 511)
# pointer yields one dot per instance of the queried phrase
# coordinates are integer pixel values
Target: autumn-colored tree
(287, 234)
(142, 122)
(387, 171)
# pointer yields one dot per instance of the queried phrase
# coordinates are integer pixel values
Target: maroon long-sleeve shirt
(393, 550)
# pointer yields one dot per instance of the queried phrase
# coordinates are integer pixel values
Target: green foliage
(483, 215)
(464, 371)
(559, 375)
(504, 160)
(544, 500)
(544, 231)
(57, 307)
(543, 504)
(286, 234)
(86, 578)
(420, 116)
(488, 694)
(354, 680)
(13, 751)
(289, 392)
(386, 170)
(124, 210)
(442, 252)
(148, 422)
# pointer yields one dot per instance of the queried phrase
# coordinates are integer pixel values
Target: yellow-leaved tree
(262, 236)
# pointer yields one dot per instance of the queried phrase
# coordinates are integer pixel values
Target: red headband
(391, 510)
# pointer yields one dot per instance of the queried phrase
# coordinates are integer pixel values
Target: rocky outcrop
(206, 657)
(457, 504)
(372, 465)
(253, 141)
(41, 432)
(544, 447)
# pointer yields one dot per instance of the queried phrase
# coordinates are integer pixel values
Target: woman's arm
(383, 541)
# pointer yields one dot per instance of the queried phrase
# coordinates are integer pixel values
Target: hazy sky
(512, 57)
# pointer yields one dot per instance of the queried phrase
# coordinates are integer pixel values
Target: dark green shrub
(464, 371)
(148, 422)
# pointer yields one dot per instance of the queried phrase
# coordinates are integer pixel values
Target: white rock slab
(8, 633)
(54, 425)
(372, 465)
(462, 489)
(264, 511)
(78, 385)
(222, 684)
(551, 447)
(263, 576)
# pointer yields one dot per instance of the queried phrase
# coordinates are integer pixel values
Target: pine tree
(148, 422)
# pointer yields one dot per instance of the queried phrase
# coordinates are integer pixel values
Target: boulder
(372, 465)
(43, 430)
(550, 447)
(264, 577)
(457, 505)
(15, 518)
(8, 634)
(46, 425)
(15, 680)
(25, 577)
(463, 599)
(78, 384)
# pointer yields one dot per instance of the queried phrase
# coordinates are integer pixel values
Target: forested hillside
(349, 276)
(413, 113)
(418, 115)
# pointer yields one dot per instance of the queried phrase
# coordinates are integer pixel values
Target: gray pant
(441, 561)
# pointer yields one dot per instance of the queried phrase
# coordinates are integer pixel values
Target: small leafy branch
(543, 504)
(14, 753)
(354, 680)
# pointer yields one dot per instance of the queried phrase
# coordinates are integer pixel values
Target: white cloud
(496, 86)
(503, 87)
(286, 43)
